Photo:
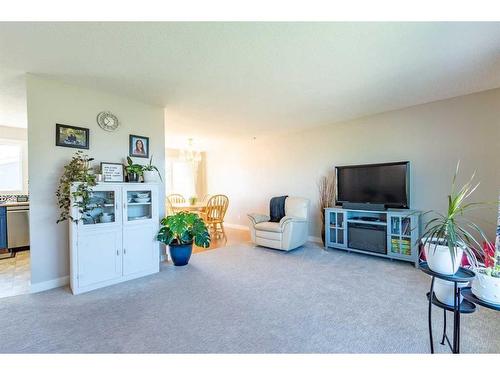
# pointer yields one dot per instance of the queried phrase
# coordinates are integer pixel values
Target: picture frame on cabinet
(112, 172)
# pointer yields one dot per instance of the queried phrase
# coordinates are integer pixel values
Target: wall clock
(107, 121)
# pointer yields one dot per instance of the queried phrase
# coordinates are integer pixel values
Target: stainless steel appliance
(18, 230)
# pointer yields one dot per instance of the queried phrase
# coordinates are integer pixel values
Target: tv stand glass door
(336, 229)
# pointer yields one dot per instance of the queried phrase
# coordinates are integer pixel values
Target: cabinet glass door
(400, 236)
(340, 219)
(336, 229)
(139, 205)
(333, 219)
(102, 208)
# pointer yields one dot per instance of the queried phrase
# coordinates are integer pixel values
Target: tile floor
(15, 275)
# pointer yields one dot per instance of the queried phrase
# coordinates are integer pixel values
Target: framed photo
(138, 146)
(72, 136)
(112, 172)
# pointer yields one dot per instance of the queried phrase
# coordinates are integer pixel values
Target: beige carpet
(242, 299)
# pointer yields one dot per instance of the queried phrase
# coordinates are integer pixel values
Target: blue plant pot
(181, 253)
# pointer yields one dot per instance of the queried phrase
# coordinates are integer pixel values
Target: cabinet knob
(124, 251)
(117, 252)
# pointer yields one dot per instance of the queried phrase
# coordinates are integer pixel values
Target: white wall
(431, 136)
(51, 102)
(18, 135)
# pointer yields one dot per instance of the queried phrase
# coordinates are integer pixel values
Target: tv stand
(390, 233)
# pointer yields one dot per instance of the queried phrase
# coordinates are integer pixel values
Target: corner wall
(431, 136)
(51, 102)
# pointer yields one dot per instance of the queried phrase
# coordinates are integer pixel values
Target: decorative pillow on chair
(277, 208)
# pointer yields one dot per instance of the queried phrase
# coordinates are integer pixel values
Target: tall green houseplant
(452, 230)
(179, 232)
(77, 170)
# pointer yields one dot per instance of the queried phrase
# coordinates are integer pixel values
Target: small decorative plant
(134, 171)
(78, 170)
(452, 230)
(184, 228)
(150, 168)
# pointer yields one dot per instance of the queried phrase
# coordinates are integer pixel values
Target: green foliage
(184, 228)
(78, 170)
(151, 167)
(453, 229)
(130, 167)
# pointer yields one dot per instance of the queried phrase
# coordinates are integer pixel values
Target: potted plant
(77, 170)
(149, 172)
(486, 285)
(448, 236)
(179, 232)
(134, 171)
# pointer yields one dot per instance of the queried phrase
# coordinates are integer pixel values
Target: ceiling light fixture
(190, 154)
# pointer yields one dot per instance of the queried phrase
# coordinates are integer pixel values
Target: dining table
(186, 206)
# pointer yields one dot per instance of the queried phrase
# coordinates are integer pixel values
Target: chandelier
(190, 154)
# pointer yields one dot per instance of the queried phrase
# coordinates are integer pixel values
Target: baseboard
(237, 226)
(49, 284)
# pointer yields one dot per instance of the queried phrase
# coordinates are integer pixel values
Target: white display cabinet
(116, 240)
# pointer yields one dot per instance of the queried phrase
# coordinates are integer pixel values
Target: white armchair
(290, 233)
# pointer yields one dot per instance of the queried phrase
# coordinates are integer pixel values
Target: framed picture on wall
(112, 172)
(72, 136)
(138, 146)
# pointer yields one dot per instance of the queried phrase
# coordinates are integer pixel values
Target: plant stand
(469, 296)
(464, 307)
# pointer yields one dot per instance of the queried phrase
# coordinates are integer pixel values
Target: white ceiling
(247, 79)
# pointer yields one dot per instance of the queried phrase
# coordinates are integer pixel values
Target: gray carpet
(242, 299)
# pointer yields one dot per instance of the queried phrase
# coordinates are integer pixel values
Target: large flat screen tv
(386, 183)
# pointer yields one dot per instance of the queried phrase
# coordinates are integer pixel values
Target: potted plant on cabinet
(179, 232)
(448, 236)
(78, 170)
(149, 172)
(134, 171)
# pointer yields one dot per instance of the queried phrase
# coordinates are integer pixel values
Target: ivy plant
(77, 170)
(184, 228)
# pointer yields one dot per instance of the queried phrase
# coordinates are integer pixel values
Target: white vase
(150, 176)
(439, 258)
(445, 291)
(486, 288)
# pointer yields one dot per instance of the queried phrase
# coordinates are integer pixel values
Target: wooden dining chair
(173, 199)
(215, 212)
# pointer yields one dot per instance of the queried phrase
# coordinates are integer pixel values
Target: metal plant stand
(469, 296)
(464, 307)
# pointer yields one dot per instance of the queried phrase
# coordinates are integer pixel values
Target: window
(11, 166)
(183, 178)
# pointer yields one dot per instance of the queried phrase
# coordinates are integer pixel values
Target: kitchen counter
(14, 204)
